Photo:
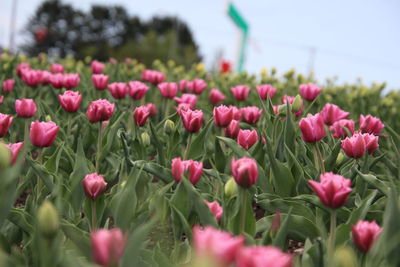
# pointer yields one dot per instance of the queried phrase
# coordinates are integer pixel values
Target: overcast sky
(352, 39)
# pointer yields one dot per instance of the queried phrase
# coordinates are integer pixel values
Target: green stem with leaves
(243, 209)
(99, 146)
(94, 214)
(189, 141)
(332, 238)
(318, 159)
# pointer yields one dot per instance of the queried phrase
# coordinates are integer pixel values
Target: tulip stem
(99, 145)
(69, 126)
(318, 160)
(332, 237)
(26, 131)
(167, 108)
(188, 146)
(39, 184)
(243, 208)
(94, 215)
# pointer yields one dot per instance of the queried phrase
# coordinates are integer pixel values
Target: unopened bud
(48, 118)
(344, 257)
(230, 188)
(276, 222)
(5, 156)
(297, 103)
(145, 138)
(339, 158)
(169, 127)
(282, 109)
(47, 218)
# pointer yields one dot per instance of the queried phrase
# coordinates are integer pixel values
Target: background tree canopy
(59, 29)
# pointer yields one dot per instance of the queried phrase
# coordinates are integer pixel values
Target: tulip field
(121, 164)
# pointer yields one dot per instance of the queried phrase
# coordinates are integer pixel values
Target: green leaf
(53, 162)
(79, 237)
(157, 144)
(232, 144)
(22, 219)
(375, 182)
(198, 146)
(281, 236)
(155, 169)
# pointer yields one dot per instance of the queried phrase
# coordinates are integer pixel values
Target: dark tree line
(60, 29)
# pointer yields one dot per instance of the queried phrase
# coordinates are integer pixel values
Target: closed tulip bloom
(266, 90)
(354, 146)
(56, 68)
(94, 185)
(57, 80)
(262, 256)
(364, 234)
(107, 246)
(251, 114)
(332, 113)
(232, 130)
(179, 167)
(8, 85)
(100, 81)
(192, 120)
(15, 150)
(333, 190)
(312, 128)
(168, 90)
(182, 85)
(290, 99)
(97, 67)
(140, 115)
(223, 116)
(237, 113)
(45, 77)
(197, 86)
(5, 123)
(240, 92)
(247, 138)
(189, 99)
(244, 171)
(215, 209)
(31, 77)
(371, 142)
(339, 128)
(21, 67)
(371, 125)
(182, 107)
(309, 91)
(221, 246)
(118, 90)
(70, 101)
(43, 134)
(71, 80)
(152, 109)
(153, 76)
(216, 96)
(25, 108)
(137, 90)
(100, 110)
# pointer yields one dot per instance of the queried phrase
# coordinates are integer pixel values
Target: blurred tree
(107, 31)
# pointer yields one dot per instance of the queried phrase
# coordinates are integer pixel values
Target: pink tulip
(168, 90)
(137, 90)
(215, 209)
(140, 115)
(31, 77)
(244, 171)
(45, 77)
(94, 185)
(21, 67)
(70, 101)
(371, 142)
(221, 246)
(371, 125)
(287, 98)
(57, 80)
(232, 130)
(152, 109)
(5, 123)
(182, 85)
(71, 80)
(153, 76)
(192, 120)
(8, 85)
(97, 67)
(182, 107)
(333, 190)
(189, 99)
(237, 113)
(1, 99)
(339, 130)
(100, 81)
(100, 110)
(262, 256)
(197, 86)
(107, 246)
(179, 167)
(332, 113)
(118, 90)
(247, 138)
(15, 150)
(56, 68)
(354, 146)
(312, 128)
(251, 114)
(266, 90)
(364, 234)
(43, 134)
(223, 115)
(25, 108)
(240, 92)
(216, 96)
(309, 91)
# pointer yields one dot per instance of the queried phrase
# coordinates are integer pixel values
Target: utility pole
(13, 19)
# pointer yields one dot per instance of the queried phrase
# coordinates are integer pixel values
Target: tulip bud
(145, 139)
(47, 218)
(297, 103)
(48, 118)
(344, 257)
(230, 188)
(169, 127)
(339, 158)
(282, 110)
(5, 156)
